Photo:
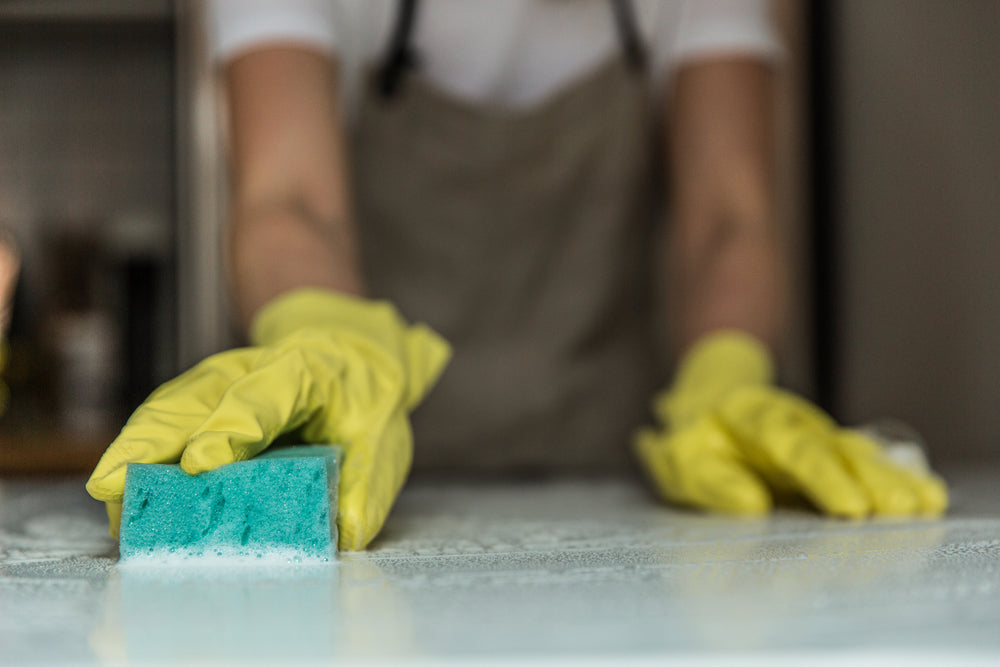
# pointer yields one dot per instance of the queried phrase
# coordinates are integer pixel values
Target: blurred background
(111, 182)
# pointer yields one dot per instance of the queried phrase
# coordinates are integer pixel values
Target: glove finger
(700, 466)
(894, 489)
(751, 410)
(933, 493)
(891, 490)
(159, 428)
(807, 458)
(788, 441)
(277, 395)
(371, 477)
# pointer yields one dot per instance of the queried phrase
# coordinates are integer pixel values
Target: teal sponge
(281, 504)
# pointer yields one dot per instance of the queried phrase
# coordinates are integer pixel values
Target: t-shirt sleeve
(236, 26)
(710, 27)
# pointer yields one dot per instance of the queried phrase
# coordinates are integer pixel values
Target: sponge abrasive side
(281, 504)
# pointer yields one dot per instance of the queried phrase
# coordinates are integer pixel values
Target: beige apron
(524, 239)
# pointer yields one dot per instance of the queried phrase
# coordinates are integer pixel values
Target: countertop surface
(558, 571)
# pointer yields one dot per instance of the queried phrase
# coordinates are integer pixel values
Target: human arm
(730, 440)
(290, 195)
(727, 267)
(324, 364)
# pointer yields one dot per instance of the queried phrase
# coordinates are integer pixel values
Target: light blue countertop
(548, 572)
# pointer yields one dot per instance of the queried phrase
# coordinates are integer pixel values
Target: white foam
(224, 558)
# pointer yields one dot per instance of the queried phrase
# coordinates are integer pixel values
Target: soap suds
(223, 557)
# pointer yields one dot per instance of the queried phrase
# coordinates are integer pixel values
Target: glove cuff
(714, 366)
(319, 308)
(422, 352)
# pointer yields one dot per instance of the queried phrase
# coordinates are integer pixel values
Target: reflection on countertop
(559, 571)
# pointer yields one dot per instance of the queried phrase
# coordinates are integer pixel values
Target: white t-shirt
(510, 53)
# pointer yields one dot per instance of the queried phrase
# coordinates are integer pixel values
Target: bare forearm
(736, 281)
(726, 258)
(291, 223)
(278, 247)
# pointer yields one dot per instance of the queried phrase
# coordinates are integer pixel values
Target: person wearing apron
(524, 242)
(528, 252)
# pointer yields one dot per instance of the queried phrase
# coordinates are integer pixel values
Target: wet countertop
(548, 572)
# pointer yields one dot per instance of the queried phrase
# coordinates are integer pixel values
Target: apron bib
(524, 238)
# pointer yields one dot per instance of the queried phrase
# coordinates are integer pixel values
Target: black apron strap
(400, 55)
(628, 33)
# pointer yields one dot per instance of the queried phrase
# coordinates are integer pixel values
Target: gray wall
(85, 124)
(919, 109)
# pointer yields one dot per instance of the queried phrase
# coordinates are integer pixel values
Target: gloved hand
(333, 368)
(732, 442)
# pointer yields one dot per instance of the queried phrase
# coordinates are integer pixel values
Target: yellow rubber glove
(332, 368)
(732, 442)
